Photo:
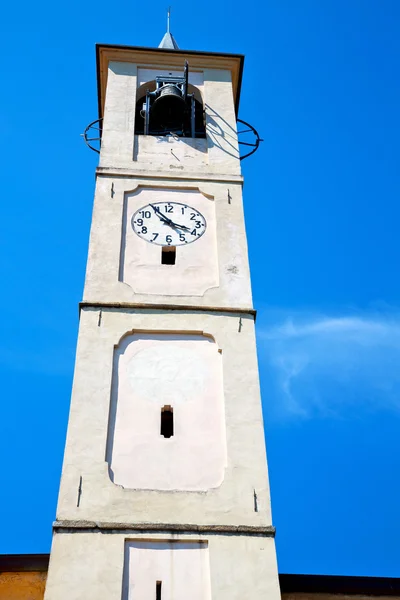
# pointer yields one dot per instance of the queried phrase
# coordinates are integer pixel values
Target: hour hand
(177, 226)
(166, 219)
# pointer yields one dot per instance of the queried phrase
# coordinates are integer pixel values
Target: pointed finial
(168, 40)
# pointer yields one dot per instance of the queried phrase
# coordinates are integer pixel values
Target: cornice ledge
(96, 526)
(146, 174)
(183, 307)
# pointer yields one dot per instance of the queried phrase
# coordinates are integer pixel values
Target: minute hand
(160, 215)
(166, 219)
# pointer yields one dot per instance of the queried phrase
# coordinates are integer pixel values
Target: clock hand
(167, 220)
(177, 226)
(160, 215)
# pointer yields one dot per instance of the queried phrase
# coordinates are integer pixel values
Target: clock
(168, 223)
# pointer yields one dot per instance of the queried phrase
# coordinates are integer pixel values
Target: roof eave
(175, 52)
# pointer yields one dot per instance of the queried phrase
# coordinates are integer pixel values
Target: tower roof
(168, 41)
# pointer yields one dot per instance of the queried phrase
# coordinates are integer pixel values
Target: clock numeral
(157, 224)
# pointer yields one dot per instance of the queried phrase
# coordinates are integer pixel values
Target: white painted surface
(85, 456)
(150, 372)
(182, 568)
(196, 267)
(90, 566)
(176, 152)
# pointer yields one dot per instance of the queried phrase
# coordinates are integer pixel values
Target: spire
(168, 40)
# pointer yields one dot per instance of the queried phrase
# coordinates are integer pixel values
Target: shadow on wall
(215, 133)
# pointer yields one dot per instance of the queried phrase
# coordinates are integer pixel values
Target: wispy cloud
(325, 365)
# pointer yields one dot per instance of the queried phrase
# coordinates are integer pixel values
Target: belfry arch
(158, 127)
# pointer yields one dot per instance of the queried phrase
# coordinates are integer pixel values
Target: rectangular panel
(163, 570)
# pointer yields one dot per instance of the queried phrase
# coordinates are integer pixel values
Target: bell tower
(164, 492)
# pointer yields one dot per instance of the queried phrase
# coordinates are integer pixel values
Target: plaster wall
(221, 154)
(196, 267)
(152, 371)
(89, 566)
(233, 501)
(168, 149)
(213, 271)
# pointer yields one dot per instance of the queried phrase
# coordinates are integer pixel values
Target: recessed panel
(160, 217)
(167, 424)
(162, 570)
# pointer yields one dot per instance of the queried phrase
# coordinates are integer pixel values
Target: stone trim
(169, 175)
(183, 307)
(67, 526)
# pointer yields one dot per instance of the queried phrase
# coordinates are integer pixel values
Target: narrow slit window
(167, 422)
(168, 255)
(158, 590)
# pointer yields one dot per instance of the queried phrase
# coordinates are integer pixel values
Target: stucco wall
(221, 154)
(239, 564)
(232, 502)
(196, 267)
(122, 267)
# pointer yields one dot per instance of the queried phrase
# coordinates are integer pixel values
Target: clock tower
(164, 492)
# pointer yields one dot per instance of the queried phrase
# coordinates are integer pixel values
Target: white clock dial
(168, 223)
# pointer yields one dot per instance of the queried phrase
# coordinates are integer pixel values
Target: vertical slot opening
(167, 421)
(168, 255)
(158, 590)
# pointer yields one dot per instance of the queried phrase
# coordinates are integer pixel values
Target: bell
(168, 109)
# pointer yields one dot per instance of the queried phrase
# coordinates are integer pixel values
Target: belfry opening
(169, 105)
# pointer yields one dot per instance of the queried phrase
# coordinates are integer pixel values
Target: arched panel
(167, 424)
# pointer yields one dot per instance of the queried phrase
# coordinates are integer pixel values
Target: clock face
(168, 223)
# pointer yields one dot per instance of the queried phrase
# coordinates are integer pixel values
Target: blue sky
(321, 199)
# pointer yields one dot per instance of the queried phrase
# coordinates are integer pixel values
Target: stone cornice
(169, 175)
(67, 526)
(183, 307)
